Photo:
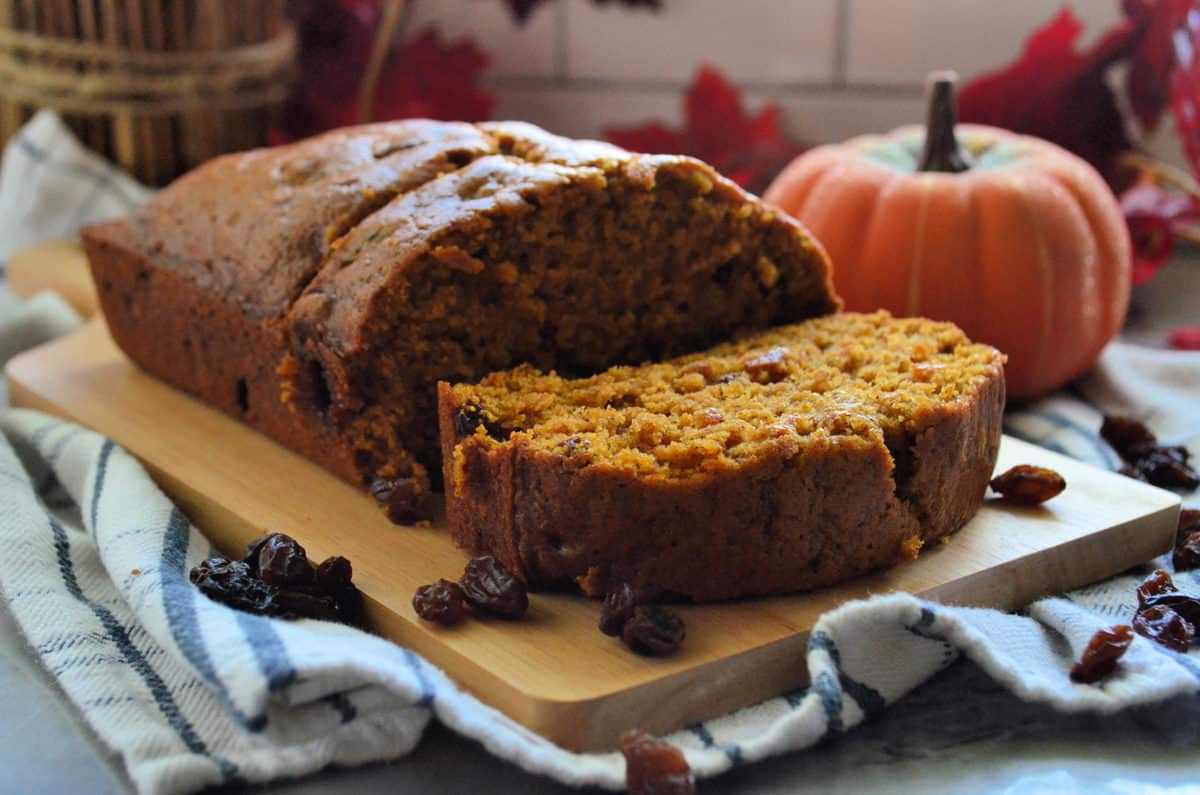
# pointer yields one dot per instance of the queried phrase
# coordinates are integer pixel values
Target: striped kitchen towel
(191, 693)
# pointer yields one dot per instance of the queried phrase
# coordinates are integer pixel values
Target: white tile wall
(897, 42)
(753, 41)
(836, 67)
(526, 51)
(586, 113)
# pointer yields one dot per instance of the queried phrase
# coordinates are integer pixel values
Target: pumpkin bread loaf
(789, 459)
(319, 291)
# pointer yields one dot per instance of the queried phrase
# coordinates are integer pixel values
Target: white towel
(191, 693)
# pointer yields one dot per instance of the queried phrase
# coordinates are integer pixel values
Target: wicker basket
(158, 86)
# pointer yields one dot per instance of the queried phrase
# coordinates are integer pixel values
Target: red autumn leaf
(1184, 88)
(1054, 92)
(1153, 58)
(1153, 216)
(424, 76)
(434, 79)
(1185, 339)
(750, 150)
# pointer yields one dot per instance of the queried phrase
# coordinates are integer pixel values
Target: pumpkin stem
(942, 150)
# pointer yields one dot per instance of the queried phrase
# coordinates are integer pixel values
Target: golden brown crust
(298, 272)
(801, 517)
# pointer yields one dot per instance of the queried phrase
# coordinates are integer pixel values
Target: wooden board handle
(58, 265)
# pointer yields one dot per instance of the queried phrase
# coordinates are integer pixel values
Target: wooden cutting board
(555, 672)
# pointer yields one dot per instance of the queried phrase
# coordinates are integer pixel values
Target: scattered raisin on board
(1103, 651)
(492, 589)
(442, 602)
(1145, 459)
(1028, 485)
(231, 583)
(1164, 626)
(276, 579)
(653, 631)
(618, 608)
(282, 562)
(403, 500)
(655, 767)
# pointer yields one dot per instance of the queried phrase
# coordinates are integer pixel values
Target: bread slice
(790, 459)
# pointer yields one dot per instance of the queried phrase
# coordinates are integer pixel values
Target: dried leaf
(425, 76)
(1054, 92)
(1153, 59)
(1184, 88)
(1153, 216)
(750, 150)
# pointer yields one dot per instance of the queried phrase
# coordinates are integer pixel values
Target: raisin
(333, 577)
(491, 589)
(1167, 468)
(1189, 522)
(1028, 485)
(574, 444)
(440, 602)
(1145, 459)
(728, 378)
(231, 583)
(471, 416)
(250, 558)
(1181, 603)
(1164, 626)
(655, 767)
(402, 500)
(618, 608)
(1126, 435)
(305, 601)
(1187, 553)
(1158, 583)
(1103, 651)
(283, 562)
(653, 631)
(276, 579)
(768, 367)
(334, 574)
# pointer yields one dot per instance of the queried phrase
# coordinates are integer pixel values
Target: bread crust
(797, 520)
(259, 282)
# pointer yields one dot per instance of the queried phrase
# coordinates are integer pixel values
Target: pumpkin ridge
(1045, 272)
(915, 268)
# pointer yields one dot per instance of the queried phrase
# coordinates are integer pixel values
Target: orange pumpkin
(1018, 241)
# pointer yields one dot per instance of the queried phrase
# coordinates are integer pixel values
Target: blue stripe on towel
(134, 657)
(1102, 450)
(269, 651)
(98, 484)
(179, 606)
(831, 701)
(731, 750)
(867, 697)
(427, 691)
